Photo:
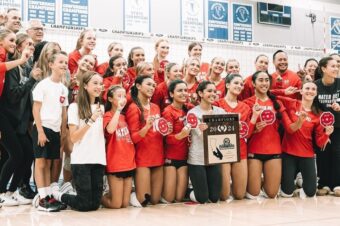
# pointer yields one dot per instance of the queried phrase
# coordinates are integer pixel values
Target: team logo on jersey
(62, 99)
(244, 128)
(268, 116)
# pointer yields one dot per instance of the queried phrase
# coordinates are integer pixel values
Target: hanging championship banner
(335, 33)
(44, 10)
(8, 4)
(222, 139)
(137, 15)
(218, 19)
(75, 13)
(242, 22)
(192, 18)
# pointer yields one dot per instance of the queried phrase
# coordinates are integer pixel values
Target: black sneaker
(61, 206)
(48, 204)
(27, 192)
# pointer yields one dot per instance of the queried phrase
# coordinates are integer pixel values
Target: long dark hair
(83, 98)
(134, 94)
(202, 86)
(109, 71)
(130, 62)
(171, 89)
(315, 105)
(228, 80)
(271, 96)
(322, 63)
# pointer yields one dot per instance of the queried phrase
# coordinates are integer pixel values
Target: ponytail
(276, 104)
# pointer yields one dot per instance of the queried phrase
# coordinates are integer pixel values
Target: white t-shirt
(196, 149)
(53, 96)
(91, 148)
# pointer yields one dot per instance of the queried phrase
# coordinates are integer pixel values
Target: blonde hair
(155, 59)
(22, 37)
(46, 53)
(141, 67)
(81, 38)
(4, 33)
(187, 62)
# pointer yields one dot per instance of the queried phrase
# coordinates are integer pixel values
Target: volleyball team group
(102, 125)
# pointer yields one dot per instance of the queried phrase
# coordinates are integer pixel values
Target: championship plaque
(222, 139)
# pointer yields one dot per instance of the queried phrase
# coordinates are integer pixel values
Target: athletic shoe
(299, 180)
(66, 188)
(336, 191)
(323, 191)
(35, 202)
(48, 204)
(8, 200)
(134, 201)
(60, 205)
(26, 191)
(21, 199)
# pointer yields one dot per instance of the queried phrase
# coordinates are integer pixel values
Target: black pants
(292, 164)
(88, 182)
(13, 166)
(206, 181)
(328, 162)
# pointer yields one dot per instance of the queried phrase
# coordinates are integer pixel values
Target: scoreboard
(268, 13)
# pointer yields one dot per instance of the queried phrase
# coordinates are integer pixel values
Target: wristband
(89, 122)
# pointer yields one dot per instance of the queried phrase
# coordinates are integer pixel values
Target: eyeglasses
(37, 28)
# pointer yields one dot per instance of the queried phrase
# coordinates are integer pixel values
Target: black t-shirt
(327, 95)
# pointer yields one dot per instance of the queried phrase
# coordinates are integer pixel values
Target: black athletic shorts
(123, 174)
(264, 157)
(176, 163)
(51, 150)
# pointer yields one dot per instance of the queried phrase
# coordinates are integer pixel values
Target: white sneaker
(134, 201)
(21, 199)
(56, 191)
(7, 199)
(66, 188)
(35, 202)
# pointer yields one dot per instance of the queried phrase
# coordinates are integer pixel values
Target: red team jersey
(289, 78)
(149, 149)
(248, 90)
(73, 59)
(300, 142)
(245, 115)
(161, 96)
(193, 97)
(175, 149)
(101, 69)
(120, 151)
(259, 143)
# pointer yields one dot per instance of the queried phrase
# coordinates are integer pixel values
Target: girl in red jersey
(263, 156)
(85, 45)
(140, 117)
(162, 51)
(136, 55)
(238, 170)
(161, 95)
(176, 144)
(261, 64)
(145, 68)
(297, 145)
(190, 71)
(120, 151)
(86, 63)
(232, 66)
(114, 49)
(195, 50)
(116, 75)
(214, 75)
